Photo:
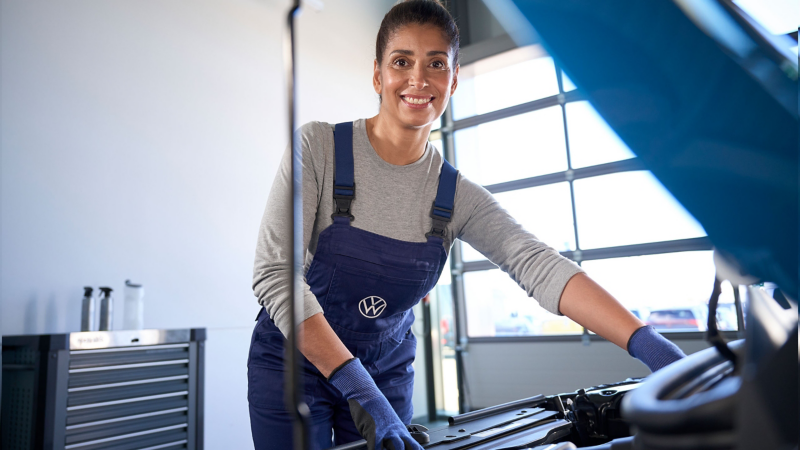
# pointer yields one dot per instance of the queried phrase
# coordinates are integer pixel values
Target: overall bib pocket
(369, 303)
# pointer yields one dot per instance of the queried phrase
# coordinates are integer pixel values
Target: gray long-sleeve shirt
(393, 201)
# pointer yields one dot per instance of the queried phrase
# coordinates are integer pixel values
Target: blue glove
(374, 417)
(651, 348)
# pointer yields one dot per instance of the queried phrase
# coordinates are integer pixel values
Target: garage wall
(531, 368)
(139, 139)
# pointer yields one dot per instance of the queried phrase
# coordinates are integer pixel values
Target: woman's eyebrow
(411, 53)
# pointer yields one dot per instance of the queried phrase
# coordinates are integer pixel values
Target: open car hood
(705, 100)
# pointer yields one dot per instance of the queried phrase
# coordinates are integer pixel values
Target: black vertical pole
(294, 381)
(457, 285)
(458, 295)
(430, 384)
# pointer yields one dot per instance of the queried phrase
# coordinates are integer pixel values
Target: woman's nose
(417, 78)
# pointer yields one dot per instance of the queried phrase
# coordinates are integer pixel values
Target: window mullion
(569, 174)
(456, 265)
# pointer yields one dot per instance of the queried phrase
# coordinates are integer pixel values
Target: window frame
(459, 267)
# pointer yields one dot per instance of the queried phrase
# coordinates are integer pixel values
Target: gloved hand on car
(374, 417)
(653, 349)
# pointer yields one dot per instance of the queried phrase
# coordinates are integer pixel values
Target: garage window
(605, 211)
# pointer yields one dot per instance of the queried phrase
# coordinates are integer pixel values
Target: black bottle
(106, 309)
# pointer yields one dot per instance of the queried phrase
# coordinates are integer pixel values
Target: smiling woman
(375, 255)
(371, 257)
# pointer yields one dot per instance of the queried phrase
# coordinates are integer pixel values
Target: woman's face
(415, 78)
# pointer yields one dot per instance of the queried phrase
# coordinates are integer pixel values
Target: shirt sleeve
(271, 271)
(537, 268)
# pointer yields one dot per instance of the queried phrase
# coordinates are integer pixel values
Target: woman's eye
(438, 65)
(401, 62)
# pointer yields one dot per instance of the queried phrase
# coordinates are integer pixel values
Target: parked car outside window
(689, 318)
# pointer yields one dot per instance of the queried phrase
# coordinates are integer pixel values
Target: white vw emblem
(372, 306)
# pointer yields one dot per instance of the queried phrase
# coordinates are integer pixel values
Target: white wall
(139, 139)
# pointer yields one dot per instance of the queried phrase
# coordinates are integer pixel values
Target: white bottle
(134, 306)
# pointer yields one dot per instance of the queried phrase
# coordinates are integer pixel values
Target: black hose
(713, 335)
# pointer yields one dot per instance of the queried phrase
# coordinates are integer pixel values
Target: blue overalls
(366, 284)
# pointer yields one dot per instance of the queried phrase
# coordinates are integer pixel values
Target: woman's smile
(416, 101)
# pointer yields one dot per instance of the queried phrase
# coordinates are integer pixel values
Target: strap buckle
(440, 221)
(343, 202)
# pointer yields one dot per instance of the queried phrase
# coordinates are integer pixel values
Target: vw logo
(372, 306)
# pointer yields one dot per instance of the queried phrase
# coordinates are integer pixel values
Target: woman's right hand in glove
(373, 415)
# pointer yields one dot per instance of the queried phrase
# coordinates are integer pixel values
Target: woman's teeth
(418, 101)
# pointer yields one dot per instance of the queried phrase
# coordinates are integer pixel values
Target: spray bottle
(88, 322)
(106, 309)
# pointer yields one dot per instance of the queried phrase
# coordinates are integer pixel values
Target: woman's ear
(454, 84)
(376, 77)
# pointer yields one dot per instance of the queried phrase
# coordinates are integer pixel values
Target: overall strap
(344, 186)
(442, 210)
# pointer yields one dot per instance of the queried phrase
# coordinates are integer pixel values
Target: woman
(381, 211)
